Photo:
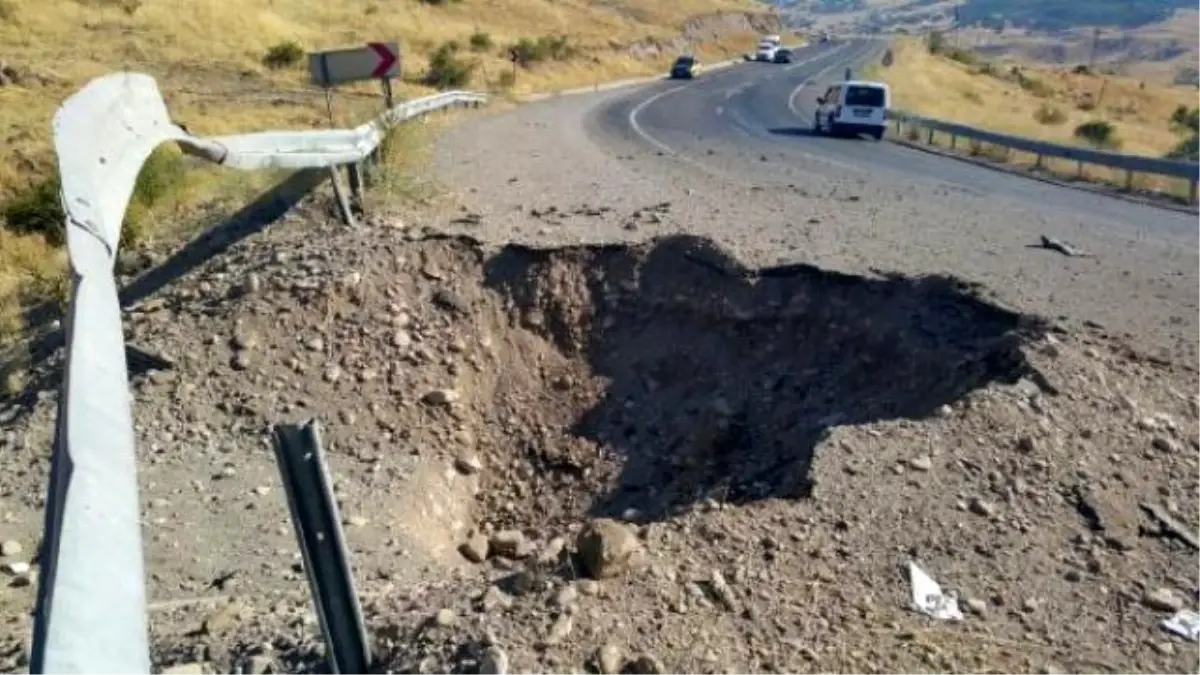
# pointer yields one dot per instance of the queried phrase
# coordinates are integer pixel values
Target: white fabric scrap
(1185, 624)
(929, 599)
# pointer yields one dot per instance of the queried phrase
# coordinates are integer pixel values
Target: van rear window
(865, 96)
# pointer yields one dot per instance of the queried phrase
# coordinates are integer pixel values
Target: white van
(853, 107)
(766, 51)
(773, 39)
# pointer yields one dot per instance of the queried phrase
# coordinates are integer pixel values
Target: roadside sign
(375, 60)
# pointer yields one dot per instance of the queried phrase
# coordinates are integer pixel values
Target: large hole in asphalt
(673, 373)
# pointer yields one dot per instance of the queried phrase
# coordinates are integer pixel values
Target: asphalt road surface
(762, 108)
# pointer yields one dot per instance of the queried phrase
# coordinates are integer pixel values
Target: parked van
(853, 107)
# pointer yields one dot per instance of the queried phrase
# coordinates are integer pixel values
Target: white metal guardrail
(91, 606)
(1130, 164)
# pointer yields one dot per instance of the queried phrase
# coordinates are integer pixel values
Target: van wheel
(835, 130)
(817, 125)
(877, 135)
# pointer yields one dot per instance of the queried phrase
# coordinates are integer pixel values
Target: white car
(853, 107)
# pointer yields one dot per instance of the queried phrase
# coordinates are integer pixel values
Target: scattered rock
(609, 659)
(494, 661)
(445, 618)
(976, 606)
(982, 508)
(1163, 600)
(468, 463)
(560, 629)
(508, 543)
(606, 548)
(566, 596)
(443, 397)
(10, 547)
(1164, 444)
(475, 549)
(922, 463)
(259, 664)
(646, 664)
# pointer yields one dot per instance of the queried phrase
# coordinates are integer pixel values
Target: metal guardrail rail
(90, 614)
(1131, 164)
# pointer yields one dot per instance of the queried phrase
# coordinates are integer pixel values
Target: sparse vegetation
(1098, 133)
(1186, 120)
(446, 69)
(480, 41)
(1048, 114)
(36, 209)
(529, 51)
(283, 55)
(1188, 149)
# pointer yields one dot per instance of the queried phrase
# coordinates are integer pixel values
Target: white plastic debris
(1185, 624)
(928, 597)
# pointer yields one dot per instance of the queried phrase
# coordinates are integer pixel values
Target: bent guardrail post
(90, 614)
(91, 603)
(318, 527)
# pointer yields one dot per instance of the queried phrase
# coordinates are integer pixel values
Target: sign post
(374, 60)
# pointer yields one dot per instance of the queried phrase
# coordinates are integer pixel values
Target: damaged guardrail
(91, 603)
(1130, 164)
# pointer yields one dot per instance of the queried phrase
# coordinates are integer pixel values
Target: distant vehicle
(853, 107)
(773, 39)
(685, 68)
(784, 55)
(766, 52)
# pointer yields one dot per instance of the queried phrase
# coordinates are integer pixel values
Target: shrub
(1082, 69)
(283, 55)
(506, 80)
(1186, 120)
(446, 69)
(963, 56)
(1047, 114)
(546, 48)
(37, 209)
(1033, 85)
(1188, 149)
(1098, 133)
(480, 41)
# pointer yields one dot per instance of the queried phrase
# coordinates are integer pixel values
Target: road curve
(767, 108)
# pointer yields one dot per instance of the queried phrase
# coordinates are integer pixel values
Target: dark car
(684, 68)
(784, 56)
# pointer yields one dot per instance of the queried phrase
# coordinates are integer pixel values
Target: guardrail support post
(929, 139)
(1129, 181)
(339, 193)
(355, 175)
(1192, 191)
(314, 511)
(953, 141)
(1038, 161)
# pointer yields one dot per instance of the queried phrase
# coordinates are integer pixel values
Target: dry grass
(207, 56)
(1050, 109)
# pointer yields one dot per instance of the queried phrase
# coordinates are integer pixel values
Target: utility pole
(1095, 47)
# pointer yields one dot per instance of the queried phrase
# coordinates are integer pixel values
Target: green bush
(963, 56)
(283, 55)
(546, 48)
(1047, 114)
(446, 69)
(1098, 133)
(37, 209)
(1186, 120)
(480, 41)
(1033, 85)
(1188, 149)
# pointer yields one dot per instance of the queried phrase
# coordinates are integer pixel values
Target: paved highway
(755, 108)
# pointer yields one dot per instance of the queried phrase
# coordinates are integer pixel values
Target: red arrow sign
(387, 59)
